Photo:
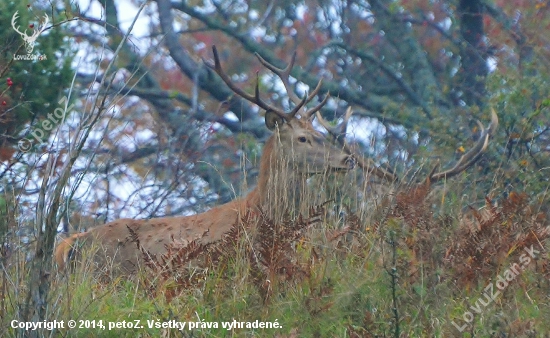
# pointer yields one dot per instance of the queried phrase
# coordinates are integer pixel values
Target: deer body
(116, 246)
(293, 152)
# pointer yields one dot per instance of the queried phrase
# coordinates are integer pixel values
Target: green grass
(342, 288)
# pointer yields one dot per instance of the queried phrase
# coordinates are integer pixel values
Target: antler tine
(310, 97)
(277, 111)
(298, 107)
(46, 21)
(339, 133)
(13, 23)
(217, 67)
(471, 156)
(318, 107)
(284, 75)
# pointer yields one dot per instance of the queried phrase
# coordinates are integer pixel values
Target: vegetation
(403, 271)
(150, 131)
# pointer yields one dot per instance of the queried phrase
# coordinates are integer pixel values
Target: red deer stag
(294, 151)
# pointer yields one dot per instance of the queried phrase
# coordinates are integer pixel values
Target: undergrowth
(406, 271)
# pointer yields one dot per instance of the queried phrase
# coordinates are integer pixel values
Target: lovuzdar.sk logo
(29, 39)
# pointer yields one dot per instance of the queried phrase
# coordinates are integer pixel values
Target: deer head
(29, 40)
(296, 142)
(310, 152)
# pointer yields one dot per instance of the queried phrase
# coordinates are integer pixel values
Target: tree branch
(421, 74)
(206, 79)
(388, 71)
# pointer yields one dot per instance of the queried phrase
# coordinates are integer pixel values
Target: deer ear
(272, 120)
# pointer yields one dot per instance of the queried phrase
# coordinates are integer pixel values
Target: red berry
(31, 25)
(4, 103)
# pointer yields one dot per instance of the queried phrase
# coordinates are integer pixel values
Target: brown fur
(285, 163)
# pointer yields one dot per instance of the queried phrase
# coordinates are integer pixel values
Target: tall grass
(404, 267)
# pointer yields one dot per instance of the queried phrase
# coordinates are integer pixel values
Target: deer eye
(302, 139)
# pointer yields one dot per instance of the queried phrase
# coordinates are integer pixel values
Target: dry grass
(406, 267)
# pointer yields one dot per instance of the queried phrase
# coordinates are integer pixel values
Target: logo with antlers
(29, 40)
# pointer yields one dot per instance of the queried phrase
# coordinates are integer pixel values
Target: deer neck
(279, 186)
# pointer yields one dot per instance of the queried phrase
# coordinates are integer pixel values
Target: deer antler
(42, 28)
(339, 134)
(13, 21)
(463, 163)
(471, 156)
(283, 74)
(36, 32)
